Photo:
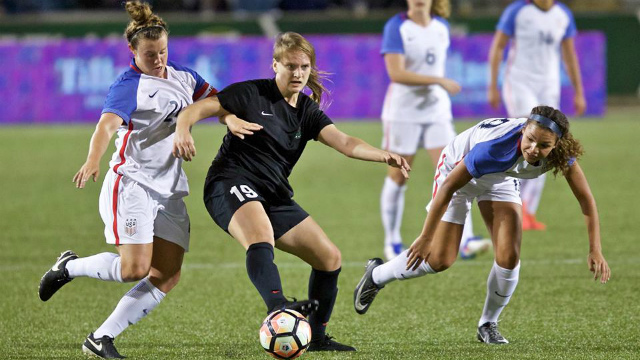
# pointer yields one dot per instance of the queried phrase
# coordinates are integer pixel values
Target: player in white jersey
(541, 33)
(417, 109)
(141, 202)
(484, 163)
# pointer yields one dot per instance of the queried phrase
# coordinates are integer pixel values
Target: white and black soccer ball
(285, 334)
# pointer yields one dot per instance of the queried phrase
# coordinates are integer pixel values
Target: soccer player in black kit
(247, 192)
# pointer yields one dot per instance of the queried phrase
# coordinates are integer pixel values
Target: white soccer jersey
(492, 148)
(536, 35)
(425, 53)
(149, 107)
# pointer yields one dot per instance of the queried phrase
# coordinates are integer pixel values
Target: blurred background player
(542, 32)
(484, 163)
(247, 191)
(141, 202)
(417, 108)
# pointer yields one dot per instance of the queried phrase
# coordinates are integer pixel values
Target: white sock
(500, 287)
(467, 231)
(531, 192)
(396, 269)
(391, 209)
(104, 266)
(133, 306)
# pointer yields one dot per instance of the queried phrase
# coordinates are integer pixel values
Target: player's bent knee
(165, 284)
(441, 263)
(332, 260)
(134, 272)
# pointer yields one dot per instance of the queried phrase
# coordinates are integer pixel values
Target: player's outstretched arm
(580, 187)
(106, 127)
(358, 149)
(183, 144)
(421, 247)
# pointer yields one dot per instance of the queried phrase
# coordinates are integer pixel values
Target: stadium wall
(66, 80)
(621, 32)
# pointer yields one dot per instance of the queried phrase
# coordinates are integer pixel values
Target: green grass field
(558, 311)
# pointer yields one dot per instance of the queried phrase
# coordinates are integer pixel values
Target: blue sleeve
(507, 22)
(200, 82)
(494, 156)
(572, 30)
(122, 97)
(391, 38)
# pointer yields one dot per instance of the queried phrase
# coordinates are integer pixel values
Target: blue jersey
(492, 147)
(149, 107)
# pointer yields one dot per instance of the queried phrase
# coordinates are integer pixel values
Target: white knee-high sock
(104, 266)
(396, 269)
(133, 306)
(500, 287)
(391, 209)
(531, 192)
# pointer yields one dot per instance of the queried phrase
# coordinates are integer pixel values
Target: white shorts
(522, 95)
(406, 138)
(490, 187)
(141, 214)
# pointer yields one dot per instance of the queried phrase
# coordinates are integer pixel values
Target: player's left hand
(580, 104)
(239, 127)
(599, 267)
(418, 252)
(397, 161)
(183, 145)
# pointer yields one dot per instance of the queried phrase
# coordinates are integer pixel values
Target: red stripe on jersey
(124, 146)
(115, 209)
(198, 94)
(435, 182)
(135, 68)
(435, 178)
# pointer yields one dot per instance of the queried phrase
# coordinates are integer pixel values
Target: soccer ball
(285, 334)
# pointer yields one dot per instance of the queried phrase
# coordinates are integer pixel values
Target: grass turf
(558, 311)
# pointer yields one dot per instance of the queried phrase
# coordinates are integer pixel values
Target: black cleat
(488, 333)
(56, 277)
(327, 343)
(102, 348)
(304, 307)
(366, 290)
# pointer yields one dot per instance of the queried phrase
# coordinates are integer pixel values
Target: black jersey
(268, 156)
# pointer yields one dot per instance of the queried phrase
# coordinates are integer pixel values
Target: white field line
(346, 265)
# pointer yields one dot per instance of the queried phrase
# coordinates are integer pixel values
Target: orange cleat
(529, 221)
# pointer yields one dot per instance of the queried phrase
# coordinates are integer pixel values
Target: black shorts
(224, 196)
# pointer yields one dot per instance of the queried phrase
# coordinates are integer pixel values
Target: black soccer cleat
(56, 277)
(304, 307)
(488, 333)
(326, 343)
(102, 348)
(366, 290)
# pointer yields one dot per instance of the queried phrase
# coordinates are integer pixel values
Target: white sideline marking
(345, 265)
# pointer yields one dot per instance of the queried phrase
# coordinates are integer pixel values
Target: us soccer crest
(130, 227)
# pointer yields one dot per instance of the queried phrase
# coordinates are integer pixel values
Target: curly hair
(567, 147)
(291, 41)
(441, 8)
(144, 23)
